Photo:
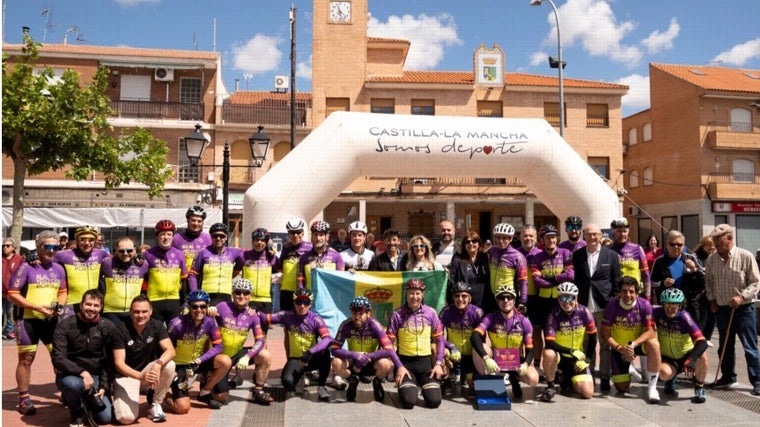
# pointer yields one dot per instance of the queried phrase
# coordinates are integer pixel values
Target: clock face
(340, 11)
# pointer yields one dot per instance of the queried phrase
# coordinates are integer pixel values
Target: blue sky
(607, 40)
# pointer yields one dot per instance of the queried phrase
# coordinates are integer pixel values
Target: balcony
(265, 113)
(733, 136)
(139, 109)
(596, 120)
(734, 186)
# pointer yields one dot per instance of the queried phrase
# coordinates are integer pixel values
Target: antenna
(74, 30)
(47, 12)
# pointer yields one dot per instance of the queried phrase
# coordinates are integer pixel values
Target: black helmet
(547, 230)
(574, 220)
(261, 234)
(195, 210)
(219, 228)
(461, 287)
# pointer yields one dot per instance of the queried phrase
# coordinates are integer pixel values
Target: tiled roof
(80, 49)
(386, 40)
(467, 77)
(715, 78)
(253, 97)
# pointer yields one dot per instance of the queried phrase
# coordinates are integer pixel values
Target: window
(551, 113)
(186, 171)
(190, 93)
(600, 165)
(632, 137)
(690, 229)
(743, 170)
(741, 120)
(597, 116)
(490, 109)
(382, 106)
(423, 107)
(336, 104)
(633, 179)
(648, 176)
(647, 132)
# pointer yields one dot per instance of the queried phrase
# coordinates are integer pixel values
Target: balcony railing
(744, 127)
(596, 120)
(261, 113)
(141, 109)
(735, 178)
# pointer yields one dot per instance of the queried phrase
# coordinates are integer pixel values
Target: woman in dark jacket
(471, 266)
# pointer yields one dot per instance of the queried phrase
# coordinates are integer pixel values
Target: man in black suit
(598, 276)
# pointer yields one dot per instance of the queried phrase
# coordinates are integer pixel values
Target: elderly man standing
(11, 262)
(732, 281)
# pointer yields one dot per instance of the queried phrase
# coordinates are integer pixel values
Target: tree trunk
(19, 175)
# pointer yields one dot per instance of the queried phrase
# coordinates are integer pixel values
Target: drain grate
(742, 400)
(274, 414)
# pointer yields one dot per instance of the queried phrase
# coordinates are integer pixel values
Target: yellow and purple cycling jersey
(569, 330)
(508, 267)
(166, 269)
(123, 281)
(676, 335)
(82, 271)
(288, 264)
(633, 263)
(305, 333)
(234, 324)
(549, 270)
(532, 290)
(627, 325)
(258, 268)
(40, 284)
(191, 244)
(459, 325)
(213, 271)
(414, 332)
(191, 341)
(370, 340)
(330, 259)
(513, 332)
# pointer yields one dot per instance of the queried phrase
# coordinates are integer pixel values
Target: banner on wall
(334, 290)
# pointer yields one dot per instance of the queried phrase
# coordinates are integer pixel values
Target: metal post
(226, 185)
(292, 77)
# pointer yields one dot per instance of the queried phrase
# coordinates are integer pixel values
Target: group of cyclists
(510, 311)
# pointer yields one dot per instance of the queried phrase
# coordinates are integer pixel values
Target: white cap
(63, 234)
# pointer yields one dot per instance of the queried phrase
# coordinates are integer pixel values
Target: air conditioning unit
(164, 75)
(281, 82)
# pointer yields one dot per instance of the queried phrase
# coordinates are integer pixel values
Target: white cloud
(303, 69)
(538, 58)
(741, 53)
(657, 41)
(637, 97)
(429, 35)
(593, 25)
(258, 55)
(135, 2)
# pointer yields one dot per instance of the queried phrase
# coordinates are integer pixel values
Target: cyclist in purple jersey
(38, 292)
(571, 338)
(633, 260)
(287, 264)
(628, 328)
(357, 257)
(508, 266)
(307, 345)
(236, 319)
(123, 278)
(418, 335)
(198, 345)
(573, 227)
(259, 265)
(82, 264)
(192, 240)
(166, 269)
(321, 254)
(508, 331)
(215, 266)
(459, 319)
(369, 351)
(681, 343)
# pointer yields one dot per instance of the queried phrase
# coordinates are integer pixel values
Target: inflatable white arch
(348, 145)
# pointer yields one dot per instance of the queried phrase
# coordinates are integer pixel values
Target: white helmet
(504, 228)
(567, 288)
(357, 226)
(295, 224)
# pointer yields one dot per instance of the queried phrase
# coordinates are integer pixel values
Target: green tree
(51, 124)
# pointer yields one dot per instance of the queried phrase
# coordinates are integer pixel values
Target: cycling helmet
(165, 225)
(567, 288)
(504, 289)
(86, 229)
(573, 220)
(198, 295)
(360, 303)
(302, 294)
(320, 227)
(241, 284)
(461, 287)
(672, 296)
(219, 228)
(619, 222)
(295, 224)
(547, 230)
(260, 233)
(195, 210)
(504, 228)
(415, 284)
(357, 226)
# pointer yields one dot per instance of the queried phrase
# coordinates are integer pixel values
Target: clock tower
(339, 54)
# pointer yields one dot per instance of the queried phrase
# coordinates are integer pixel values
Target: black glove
(306, 357)
(31, 257)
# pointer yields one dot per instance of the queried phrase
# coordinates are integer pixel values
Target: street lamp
(196, 144)
(559, 64)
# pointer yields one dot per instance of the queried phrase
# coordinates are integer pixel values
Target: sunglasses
(295, 232)
(567, 298)
(219, 236)
(419, 246)
(7, 245)
(505, 298)
(675, 245)
(198, 307)
(242, 292)
(470, 242)
(126, 251)
(50, 247)
(302, 302)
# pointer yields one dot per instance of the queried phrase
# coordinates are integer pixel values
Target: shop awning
(55, 218)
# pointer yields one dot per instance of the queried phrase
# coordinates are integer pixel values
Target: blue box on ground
(490, 393)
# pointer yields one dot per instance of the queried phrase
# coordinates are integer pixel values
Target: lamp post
(196, 144)
(559, 64)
